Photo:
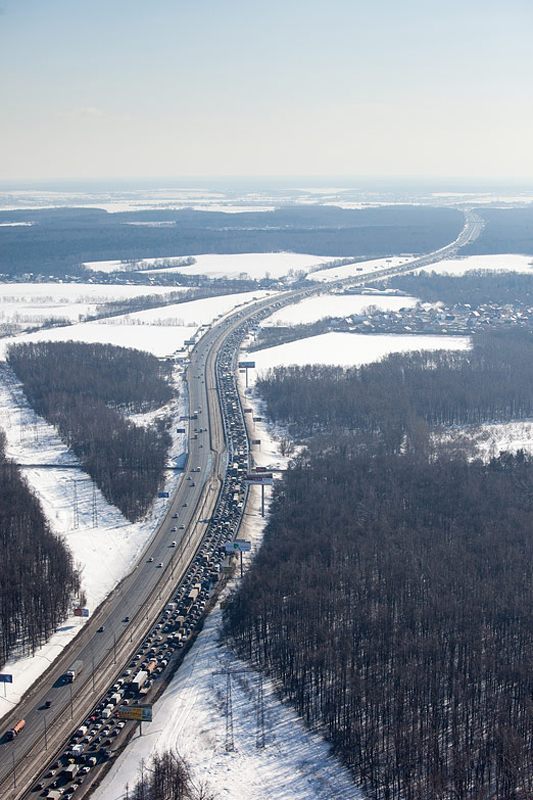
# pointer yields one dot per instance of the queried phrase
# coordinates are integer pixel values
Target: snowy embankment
(190, 717)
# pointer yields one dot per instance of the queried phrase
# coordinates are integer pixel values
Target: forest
(391, 599)
(85, 390)
(37, 577)
(477, 287)
(396, 400)
(167, 777)
(60, 240)
(507, 230)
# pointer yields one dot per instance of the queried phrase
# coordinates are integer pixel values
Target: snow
(254, 265)
(508, 262)
(16, 224)
(103, 554)
(315, 308)
(360, 268)
(160, 331)
(489, 440)
(190, 716)
(28, 304)
(350, 349)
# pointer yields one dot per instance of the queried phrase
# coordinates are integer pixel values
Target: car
(38, 787)
(47, 703)
(173, 544)
(126, 619)
(182, 527)
(185, 505)
(175, 516)
(101, 629)
(173, 530)
(150, 559)
(160, 565)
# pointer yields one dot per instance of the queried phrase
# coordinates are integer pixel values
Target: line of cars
(92, 743)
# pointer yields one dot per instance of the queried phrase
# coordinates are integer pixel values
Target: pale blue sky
(238, 87)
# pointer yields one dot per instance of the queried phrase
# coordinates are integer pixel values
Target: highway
(142, 595)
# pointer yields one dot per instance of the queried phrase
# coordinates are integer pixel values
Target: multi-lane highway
(126, 616)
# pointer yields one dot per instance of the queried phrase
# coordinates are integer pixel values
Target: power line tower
(75, 506)
(260, 714)
(95, 508)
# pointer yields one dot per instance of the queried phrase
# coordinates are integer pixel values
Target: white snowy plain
(506, 262)
(33, 303)
(313, 309)
(350, 349)
(160, 331)
(255, 265)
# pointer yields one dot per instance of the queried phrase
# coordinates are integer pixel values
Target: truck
(73, 671)
(70, 772)
(152, 664)
(17, 728)
(139, 680)
(81, 731)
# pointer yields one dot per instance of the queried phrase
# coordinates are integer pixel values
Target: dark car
(101, 629)
(47, 703)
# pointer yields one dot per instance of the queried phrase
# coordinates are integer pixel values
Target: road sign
(138, 713)
(238, 546)
(246, 364)
(260, 479)
(5, 677)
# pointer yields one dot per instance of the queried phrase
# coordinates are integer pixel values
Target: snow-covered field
(350, 349)
(161, 331)
(315, 308)
(499, 262)
(190, 717)
(30, 304)
(105, 553)
(359, 269)
(253, 265)
(489, 440)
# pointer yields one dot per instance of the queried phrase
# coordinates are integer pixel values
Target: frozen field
(313, 309)
(160, 331)
(253, 265)
(30, 304)
(504, 262)
(489, 440)
(350, 349)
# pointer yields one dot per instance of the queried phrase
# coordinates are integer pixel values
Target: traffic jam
(103, 732)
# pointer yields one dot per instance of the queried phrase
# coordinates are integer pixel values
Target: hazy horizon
(207, 90)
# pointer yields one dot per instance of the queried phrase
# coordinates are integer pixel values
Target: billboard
(81, 612)
(5, 677)
(246, 364)
(257, 419)
(248, 410)
(260, 479)
(238, 546)
(256, 441)
(163, 494)
(138, 713)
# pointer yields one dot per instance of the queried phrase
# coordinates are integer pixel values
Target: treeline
(391, 600)
(476, 287)
(37, 577)
(397, 398)
(61, 240)
(84, 390)
(167, 777)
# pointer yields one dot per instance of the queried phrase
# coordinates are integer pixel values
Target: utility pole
(260, 735)
(95, 508)
(45, 733)
(76, 510)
